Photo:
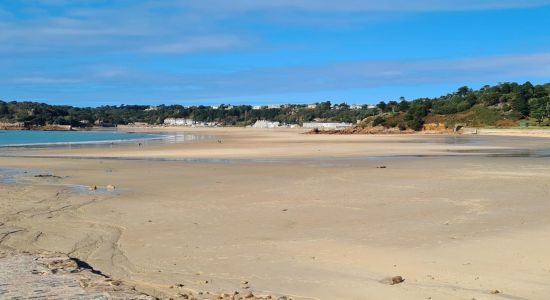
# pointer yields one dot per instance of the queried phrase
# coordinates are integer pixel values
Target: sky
(189, 52)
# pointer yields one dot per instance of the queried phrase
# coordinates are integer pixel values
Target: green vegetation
(39, 114)
(504, 104)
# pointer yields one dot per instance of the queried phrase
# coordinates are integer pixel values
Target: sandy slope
(455, 227)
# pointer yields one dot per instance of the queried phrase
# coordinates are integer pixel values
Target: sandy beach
(277, 213)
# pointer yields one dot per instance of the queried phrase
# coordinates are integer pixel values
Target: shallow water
(17, 176)
(29, 138)
(481, 146)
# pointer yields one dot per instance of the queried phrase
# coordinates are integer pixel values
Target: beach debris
(47, 176)
(286, 209)
(381, 167)
(282, 298)
(494, 292)
(93, 188)
(116, 282)
(65, 265)
(249, 295)
(397, 279)
(111, 187)
(393, 280)
(244, 282)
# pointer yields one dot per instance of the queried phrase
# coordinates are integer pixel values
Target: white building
(272, 106)
(256, 107)
(151, 108)
(356, 106)
(178, 122)
(265, 124)
(312, 106)
(313, 125)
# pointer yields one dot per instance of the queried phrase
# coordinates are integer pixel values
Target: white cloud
(297, 79)
(196, 44)
(43, 80)
(363, 5)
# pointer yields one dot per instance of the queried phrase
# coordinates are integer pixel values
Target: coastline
(323, 228)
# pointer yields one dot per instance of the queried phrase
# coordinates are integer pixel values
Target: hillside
(502, 105)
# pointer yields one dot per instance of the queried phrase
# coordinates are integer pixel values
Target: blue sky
(99, 52)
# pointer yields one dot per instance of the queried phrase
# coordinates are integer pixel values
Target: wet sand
(279, 213)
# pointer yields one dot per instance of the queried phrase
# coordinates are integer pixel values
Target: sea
(30, 138)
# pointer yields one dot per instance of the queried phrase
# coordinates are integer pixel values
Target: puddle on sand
(86, 190)
(9, 175)
(533, 153)
(12, 176)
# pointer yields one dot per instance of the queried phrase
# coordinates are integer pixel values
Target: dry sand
(308, 217)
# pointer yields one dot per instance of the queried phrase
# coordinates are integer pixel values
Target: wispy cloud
(196, 44)
(306, 78)
(172, 26)
(42, 81)
(364, 5)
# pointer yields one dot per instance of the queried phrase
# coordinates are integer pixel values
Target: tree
(490, 98)
(539, 108)
(3, 108)
(417, 112)
(382, 106)
(325, 105)
(520, 104)
(393, 106)
(403, 105)
(463, 91)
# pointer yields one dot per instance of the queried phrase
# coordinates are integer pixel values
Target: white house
(178, 122)
(265, 124)
(313, 125)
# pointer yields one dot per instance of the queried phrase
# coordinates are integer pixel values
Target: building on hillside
(319, 125)
(178, 122)
(312, 106)
(257, 107)
(188, 122)
(272, 106)
(356, 106)
(265, 124)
